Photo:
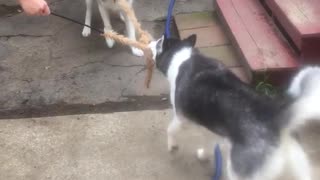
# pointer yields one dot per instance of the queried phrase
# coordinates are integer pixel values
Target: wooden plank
(226, 54)
(301, 20)
(310, 9)
(206, 37)
(235, 25)
(195, 20)
(211, 40)
(283, 16)
(254, 35)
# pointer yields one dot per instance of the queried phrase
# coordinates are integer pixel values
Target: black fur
(212, 96)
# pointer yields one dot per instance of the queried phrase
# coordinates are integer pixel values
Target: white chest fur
(173, 70)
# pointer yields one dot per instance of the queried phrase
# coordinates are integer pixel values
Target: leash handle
(167, 33)
(77, 22)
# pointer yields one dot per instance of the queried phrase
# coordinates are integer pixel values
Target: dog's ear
(191, 40)
(159, 45)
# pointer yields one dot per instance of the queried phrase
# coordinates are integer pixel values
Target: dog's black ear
(192, 40)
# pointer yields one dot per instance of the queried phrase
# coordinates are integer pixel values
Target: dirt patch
(133, 103)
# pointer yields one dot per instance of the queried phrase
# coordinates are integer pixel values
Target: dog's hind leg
(173, 128)
(106, 21)
(229, 172)
(298, 162)
(86, 30)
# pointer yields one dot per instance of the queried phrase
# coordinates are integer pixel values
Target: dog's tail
(305, 89)
(304, 110)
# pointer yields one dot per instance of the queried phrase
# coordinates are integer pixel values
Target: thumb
(45, 10)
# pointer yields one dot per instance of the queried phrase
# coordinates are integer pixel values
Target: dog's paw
(110, 42)
(202, 155)
(172, 146)
(86, 32)
(136, 51)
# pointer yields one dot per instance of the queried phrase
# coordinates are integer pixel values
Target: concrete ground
(70, 108)
(128, 145)
(45, 62)
(123, 145)
(47, 70)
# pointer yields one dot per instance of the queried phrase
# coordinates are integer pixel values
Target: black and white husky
(105, 7)
(259, 128)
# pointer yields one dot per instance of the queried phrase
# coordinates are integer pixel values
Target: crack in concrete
(23, 35)
(103, 62)
(131, 79)
(144, 68)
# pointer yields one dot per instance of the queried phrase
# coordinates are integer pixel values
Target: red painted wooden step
(301, 20)
(256, 38)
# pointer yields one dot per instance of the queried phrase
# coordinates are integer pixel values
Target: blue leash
(218, 163)
(217, 151)
(167, 33)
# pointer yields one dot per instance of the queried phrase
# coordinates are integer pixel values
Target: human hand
(35, 7)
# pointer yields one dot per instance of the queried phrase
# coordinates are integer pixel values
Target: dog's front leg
(132, 35)
(121, 14)
(106, 21)
(86, 30)
(173, 128)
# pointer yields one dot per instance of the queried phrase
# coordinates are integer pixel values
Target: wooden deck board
(255, 37)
